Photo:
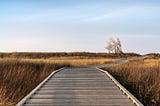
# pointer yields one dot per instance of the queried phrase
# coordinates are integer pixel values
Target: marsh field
(141, 78)
(21, 72)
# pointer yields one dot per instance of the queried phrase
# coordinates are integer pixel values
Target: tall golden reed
(142, 78)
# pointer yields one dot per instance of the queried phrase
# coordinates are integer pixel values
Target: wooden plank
(80, 73)
(76, 104)
(38, 96)
(75, 100)
(79, 88)
(81, 84)
(81, 80)
(105, 80)
(76, 85)
(78, 92)
(95, 78)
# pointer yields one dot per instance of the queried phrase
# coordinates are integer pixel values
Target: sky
(79, 25)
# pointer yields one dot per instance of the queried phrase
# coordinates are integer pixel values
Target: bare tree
(109, 47)
(114, 46)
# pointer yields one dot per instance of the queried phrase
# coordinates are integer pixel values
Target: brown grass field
(21, 72)
(141, 78)
(18, 76)
(38, 55)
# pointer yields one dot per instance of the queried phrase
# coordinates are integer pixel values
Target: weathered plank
(79, 96)
(75, 101)
(77, 104)
(77, 88)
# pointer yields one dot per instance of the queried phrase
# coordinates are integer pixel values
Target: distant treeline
(62, 54)
(154, 55)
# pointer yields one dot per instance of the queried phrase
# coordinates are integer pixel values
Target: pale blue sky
(79, 25)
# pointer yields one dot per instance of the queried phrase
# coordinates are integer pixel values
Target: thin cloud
(112, 14)
(123, 12)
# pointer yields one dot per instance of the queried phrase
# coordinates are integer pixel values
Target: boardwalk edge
(22, 102)
(124, 90)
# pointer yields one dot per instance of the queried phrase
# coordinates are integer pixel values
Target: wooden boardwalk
(77, 87)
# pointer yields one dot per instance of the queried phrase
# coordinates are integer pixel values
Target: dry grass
(19, 76)
(142, 78)
(75, 62)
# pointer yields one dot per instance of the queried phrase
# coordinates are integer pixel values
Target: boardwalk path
(78, 87)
